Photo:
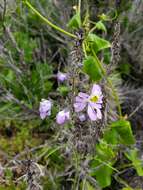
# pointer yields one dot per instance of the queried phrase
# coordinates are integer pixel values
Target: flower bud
(45, 108)
(61, 76)
(62, 117)
(82, 117)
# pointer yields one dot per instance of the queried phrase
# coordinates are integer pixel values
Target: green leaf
(10, 75)
(137, 163)
(104, 151)
(101, 26)
(63, 90)
(102, 173)
(75, 21)
(101, 165)
(111, 136)
(97, 43)
(124, 131)
(90, 67)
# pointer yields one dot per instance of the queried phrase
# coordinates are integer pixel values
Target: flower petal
(83, 95)
(100, 101)
(96, 90)
(99, 114)
(91, 113)
(43, 115)
(61, 76)
(67, 115)
(95, 105)
(79, 99)
(45, 108)
(62, 117)
(79, 106)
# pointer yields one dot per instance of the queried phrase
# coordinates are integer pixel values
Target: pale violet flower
(82, 117)
(61, 76)
(62, 117)
(45, 108)
(93, 102)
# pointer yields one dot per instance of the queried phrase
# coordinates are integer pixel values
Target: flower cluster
(92, 104)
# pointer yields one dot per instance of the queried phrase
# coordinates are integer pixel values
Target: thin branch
(136, 109)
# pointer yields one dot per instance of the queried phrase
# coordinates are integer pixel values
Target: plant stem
(116, 97)
(48, 22)
(79, 6)
(84, 49)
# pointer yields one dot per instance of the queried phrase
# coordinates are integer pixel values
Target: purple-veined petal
(67, 114)
(91, 113)
(79, 106)
(100, 101)
(49, 113)
(43, 115)
(79, 99)
(96, 90)
(99, 114)
(83, 95)
(62, 117)
(95, 105)
(45, 108)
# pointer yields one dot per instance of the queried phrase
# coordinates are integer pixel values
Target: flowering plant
(97, 128)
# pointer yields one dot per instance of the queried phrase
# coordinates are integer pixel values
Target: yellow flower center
(94, 99)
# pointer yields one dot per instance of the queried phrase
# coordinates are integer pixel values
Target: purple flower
(82, 117)
(45, 108)
(62, 117)
(93, 102)
(61, 76)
